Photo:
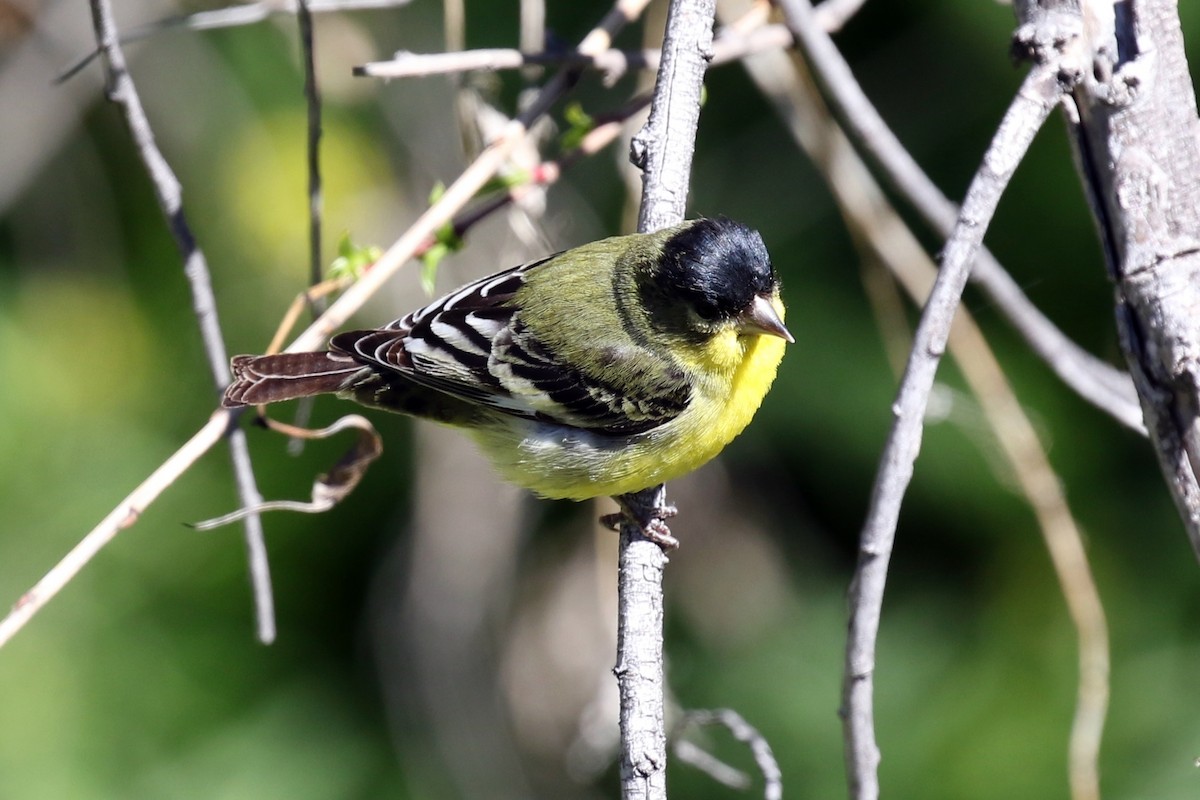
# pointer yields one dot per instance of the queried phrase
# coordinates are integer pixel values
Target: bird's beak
(761, 317)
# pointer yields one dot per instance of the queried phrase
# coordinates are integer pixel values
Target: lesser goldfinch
(601, 370)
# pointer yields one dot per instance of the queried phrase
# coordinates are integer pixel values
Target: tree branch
(727, 46)
(1137, 142)
(1038, 95)
(122, 91)
(1094, 380)
(663, 150)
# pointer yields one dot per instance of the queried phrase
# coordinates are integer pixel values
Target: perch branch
(663, 150)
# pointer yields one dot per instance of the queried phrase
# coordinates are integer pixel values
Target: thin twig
(700, 759)
(231, 17)
(663, 150)
(1037, 97)
(875, 224)
(123, 516)
(1100, 384)
(607, 128)
(1041, 486)
(121, 90)
(748, 735)
(312, 96)
(728, 46)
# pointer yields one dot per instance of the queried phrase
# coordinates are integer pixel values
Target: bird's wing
(472, 344)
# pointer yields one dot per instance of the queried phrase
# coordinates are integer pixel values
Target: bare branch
(748, 735)
(874, 223)
(639, 667)
(729, 45)
(1137, 142)
(231, 17)
(312, 98)
(123, 516)
(698, 758)
(1094, 380)
(122, 91)
(663, 150)
(1037, 96)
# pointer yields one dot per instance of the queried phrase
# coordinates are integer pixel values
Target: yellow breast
(731, 375)
(744, 368)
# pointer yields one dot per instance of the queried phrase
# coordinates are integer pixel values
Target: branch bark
(663, 150)
(1094, 380)
(1137, 143)
(123, 93)
(1035, 100)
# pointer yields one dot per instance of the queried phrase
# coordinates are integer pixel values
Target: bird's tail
(270, 379)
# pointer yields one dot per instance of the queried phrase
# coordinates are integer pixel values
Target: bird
(598, 371)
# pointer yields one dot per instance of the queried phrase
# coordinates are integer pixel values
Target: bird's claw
(656, 530)
(654, 527)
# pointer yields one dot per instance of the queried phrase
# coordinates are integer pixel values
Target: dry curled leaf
(329, 488)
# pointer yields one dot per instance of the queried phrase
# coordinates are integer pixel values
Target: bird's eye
(706, 310)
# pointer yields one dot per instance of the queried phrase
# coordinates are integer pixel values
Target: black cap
(718, 265)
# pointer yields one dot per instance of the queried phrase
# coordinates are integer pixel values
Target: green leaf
(436, 192)
(446, 240)
(579, 125)
(353, 259)
(502, 182)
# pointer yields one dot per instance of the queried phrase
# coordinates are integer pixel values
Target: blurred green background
(441, 636)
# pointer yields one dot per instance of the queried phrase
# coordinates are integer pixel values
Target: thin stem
(231, 17)
(729, 45)
(123, 516)
(121, 90)
(1035, 100)
(312, 96)
(1100, 384)
(747, 734)
(663, 150)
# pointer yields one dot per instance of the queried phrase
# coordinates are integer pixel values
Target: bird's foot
(651, 522)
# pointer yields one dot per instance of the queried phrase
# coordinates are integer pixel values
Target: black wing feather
(472, 344)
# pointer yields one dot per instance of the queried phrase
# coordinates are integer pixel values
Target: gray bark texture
(663, 150)
(1137, 143)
